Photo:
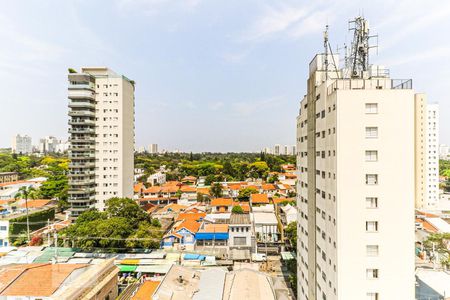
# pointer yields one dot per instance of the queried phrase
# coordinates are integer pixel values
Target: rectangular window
(372, 296)
(372, 226)
(371, 132)
(371, 179)
(371, 108)
(372, 273)
(371, 202)
(371, 155)
(372, 250)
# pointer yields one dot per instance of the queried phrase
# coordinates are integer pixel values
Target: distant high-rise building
(49, 144)
(21, 144)
(427, 153)
(101, 127)
(356, 151)
(294, 150)
(153, 148)
(286, 150)
(267, 150)
(277, 149)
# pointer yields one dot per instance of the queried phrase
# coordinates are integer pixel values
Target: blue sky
(210, 75)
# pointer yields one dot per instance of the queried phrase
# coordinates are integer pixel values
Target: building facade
(153, 148)
(101, 128)
(49, 144)
(427, 153)
(21, 144)
(355, 143)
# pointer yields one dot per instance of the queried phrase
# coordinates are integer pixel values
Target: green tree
(291, 234)
(245, 193)
(126, 208)
(216, 190)
(237, 210)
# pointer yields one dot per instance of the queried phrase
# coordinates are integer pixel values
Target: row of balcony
(81, 113)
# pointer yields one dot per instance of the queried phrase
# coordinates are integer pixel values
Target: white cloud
(215, 105)
(155, 6)
(247, 108)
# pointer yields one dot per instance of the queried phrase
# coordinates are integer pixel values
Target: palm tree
(27, 191)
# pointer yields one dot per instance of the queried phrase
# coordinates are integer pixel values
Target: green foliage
(20, 240)
(244, 194)
(237, 210)
(71, 70)
(37, 220)
(232, 166)
(291, 234)
(122, 225)
(216, 190)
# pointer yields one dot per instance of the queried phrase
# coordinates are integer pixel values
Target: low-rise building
(241, 235)
(266, 227)
(157, 178)
(6, 177)
(212, 235)
(59, 281)
(221, 205)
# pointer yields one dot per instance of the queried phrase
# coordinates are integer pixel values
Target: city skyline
(233, 80)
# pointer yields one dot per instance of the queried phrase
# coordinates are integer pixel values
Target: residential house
(241, 235)
(182, 235)
(221, 205)
(266, 227)
(259, 199)
(290, 213)
(212, 235)
(158, 178)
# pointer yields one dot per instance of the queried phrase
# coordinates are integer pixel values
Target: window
(372, 273)
(371, 202)
(240, 241)
(372, 250)
(371, 108)
(372, 296)
(371, 155)
(371, 132)
(372, 226)
(371, 179)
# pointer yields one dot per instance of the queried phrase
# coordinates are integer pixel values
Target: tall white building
(153, 148)
(277, 149)
(21, 144)
(101, 127)
(427, 153)
(356, 186)
(49, 144)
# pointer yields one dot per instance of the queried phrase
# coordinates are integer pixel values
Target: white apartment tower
(21, 144)
(427, 153)
(101, 127)
(432, 156)
(355, 144)
(153, 148)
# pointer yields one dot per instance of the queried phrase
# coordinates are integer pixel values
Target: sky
(210, 75)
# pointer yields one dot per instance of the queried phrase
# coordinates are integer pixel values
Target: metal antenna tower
(359, 52)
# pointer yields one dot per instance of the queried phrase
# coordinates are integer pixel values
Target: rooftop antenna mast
(325, 45)
(360, 46)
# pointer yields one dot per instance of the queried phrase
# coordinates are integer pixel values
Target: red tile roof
(259, 199)
(268, 187)
(190, 225)
(36, 203)
(191, 216)
(222, 202)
